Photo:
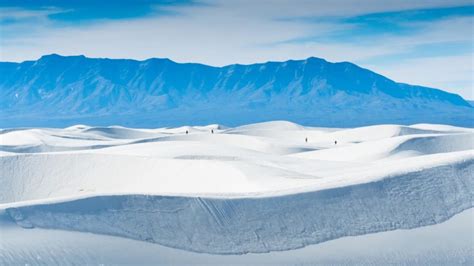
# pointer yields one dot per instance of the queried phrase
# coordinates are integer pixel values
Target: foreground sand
(255, 188)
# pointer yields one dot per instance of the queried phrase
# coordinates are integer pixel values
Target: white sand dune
(399, 146)
(447, 243)
(254, 188)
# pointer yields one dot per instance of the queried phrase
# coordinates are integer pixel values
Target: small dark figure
(187, 132)
(335, 142)
(212, 131)
(306, 139)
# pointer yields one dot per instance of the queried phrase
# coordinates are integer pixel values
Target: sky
(423, 42)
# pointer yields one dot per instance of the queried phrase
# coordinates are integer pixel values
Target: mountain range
(58, 91)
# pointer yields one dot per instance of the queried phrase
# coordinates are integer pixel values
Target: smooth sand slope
(254, 188)
(447, 243)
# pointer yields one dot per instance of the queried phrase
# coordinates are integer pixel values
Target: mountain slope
(58, 91)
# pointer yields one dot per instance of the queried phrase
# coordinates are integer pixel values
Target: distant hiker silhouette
(187, 132)
(212, 131)
(335, 142)
(306, 139)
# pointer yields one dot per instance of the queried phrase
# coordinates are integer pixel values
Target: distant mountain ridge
(63, 90)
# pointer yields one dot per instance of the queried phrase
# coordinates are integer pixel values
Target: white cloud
(320, 8)
(452, 73)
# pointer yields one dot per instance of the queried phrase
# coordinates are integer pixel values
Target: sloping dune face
(255, 188)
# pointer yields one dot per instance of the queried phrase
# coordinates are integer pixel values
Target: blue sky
(425, 42)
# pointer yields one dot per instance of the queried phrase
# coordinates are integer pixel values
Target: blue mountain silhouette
(63, 90)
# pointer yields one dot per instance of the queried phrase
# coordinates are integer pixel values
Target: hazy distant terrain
(61, 91)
